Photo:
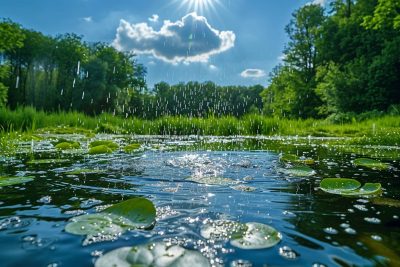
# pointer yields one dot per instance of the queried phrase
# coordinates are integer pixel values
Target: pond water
(317, 228)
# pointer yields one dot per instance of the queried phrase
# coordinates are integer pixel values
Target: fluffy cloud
(191, 39)
(319, 2)
(253, 73)
(87, 19)
(154, 18)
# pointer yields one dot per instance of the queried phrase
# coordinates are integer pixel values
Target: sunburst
(200, 6)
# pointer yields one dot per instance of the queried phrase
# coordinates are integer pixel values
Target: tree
(11, 38)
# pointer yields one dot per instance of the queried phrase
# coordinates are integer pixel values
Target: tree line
(343, 59)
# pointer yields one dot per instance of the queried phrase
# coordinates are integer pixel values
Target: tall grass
(29, 119)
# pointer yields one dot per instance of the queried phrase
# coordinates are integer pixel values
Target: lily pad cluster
(131, 148)
(67, 145)
(102, 147)
(6, 181)
(154, 255)
(296, 166)
(130, 214)
(349, 187)
(371, 163)
(251, 235)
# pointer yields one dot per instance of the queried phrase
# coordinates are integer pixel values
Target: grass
(383, 130)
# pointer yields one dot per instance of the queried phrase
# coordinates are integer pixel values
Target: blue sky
(225, 41)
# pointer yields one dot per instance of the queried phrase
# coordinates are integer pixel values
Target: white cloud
(88, 19)
(319, 2)
(213, 67)
(253, 73)
(154, 18)
(191, 39)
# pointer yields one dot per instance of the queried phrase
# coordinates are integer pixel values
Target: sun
(200, 6)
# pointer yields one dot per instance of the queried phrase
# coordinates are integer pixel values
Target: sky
(229, 42)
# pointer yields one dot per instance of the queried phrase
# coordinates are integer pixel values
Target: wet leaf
(349, 187)
(257, 236)
(5, 181)
(245, 236)
(47, 161)
(110, 144)
(301, 171)
(100, 150)
(387, 202)
(154, 255)
(129, 214)
(68, 145)
(140, 211)
(294, 159)
(131, 148)
(244, 188)
(85, 171)
(371, 163)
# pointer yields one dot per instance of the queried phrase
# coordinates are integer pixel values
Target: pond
(199, 182)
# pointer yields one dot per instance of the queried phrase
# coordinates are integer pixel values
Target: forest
(340, 61)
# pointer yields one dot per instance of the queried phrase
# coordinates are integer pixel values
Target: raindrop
(17, 82)
(79, 66)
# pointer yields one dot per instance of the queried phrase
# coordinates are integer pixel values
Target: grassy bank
(383, 130)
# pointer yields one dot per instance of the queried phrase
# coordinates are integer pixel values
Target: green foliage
(346, 62)
(108, 143)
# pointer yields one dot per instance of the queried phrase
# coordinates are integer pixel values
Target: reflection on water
(318, 229)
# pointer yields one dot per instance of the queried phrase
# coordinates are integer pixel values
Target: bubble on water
(288, 213)
(75, 212)
(32, 242)
(45, 200)
(360, 207)
(96, 253)
(165, 212)
(90, 203)
(53, 264)
(241, 263)
(330, 230)
(350, 231)
(376, 237)
(288, 253)
(395, 217)
(345, 225)
(13, 222)
(316, 264)
(372, 220)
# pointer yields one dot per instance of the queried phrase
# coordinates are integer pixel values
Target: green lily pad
(85, 171)
(100, 150)
(212, 180)
(154, 255)
(245, 236)
(47, 161)
(110, 144)
(222, 229)
(294, 159)
(140, 211)
(301, 171)
(132, 147)
(387, 202)
(371, 163)
(5, 181)
(257, 236)
(244, 188)
(129, 214)
(68, 145)
(349, 187)
(96, 224)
